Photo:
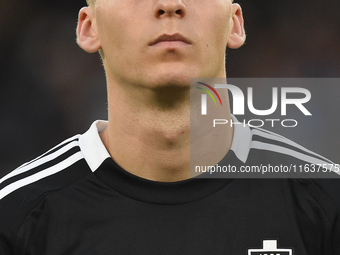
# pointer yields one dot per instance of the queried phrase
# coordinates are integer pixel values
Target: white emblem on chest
(270, 248)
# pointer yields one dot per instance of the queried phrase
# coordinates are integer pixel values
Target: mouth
(171, 41)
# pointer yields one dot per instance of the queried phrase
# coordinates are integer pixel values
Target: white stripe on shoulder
(40, 175)
(286, 151)
(41, 160)
(60, 144)
(282, 139)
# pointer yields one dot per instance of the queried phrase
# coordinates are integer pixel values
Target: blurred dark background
(51, 89)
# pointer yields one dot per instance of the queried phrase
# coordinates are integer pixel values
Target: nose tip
(168, 8)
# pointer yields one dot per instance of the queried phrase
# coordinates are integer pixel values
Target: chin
(177, 77)
(167, 80)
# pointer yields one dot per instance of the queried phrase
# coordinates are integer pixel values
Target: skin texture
(90, 2)
(149, 84)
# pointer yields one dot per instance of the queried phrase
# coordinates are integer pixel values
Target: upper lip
(168, 37)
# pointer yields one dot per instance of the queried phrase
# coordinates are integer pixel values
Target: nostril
(178, 12)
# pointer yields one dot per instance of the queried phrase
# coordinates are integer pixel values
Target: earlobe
(237, 34)
(87, 37)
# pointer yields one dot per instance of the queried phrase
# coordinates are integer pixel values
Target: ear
(237, 34)
(87, 37)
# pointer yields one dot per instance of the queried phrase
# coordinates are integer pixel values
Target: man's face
(163, 42)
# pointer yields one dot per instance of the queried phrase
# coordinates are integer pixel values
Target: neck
(149, 132)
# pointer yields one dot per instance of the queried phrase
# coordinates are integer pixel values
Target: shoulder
(25, 187)
(282, 149)
(48, 165)
(318, 176)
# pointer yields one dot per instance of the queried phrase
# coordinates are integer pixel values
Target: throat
(155, 147)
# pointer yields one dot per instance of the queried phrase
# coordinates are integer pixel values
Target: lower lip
(171, 44)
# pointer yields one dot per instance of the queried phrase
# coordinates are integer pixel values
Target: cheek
(215, 39)
(214, 26)
(115, 27)
(221, 26)
(109, 33)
